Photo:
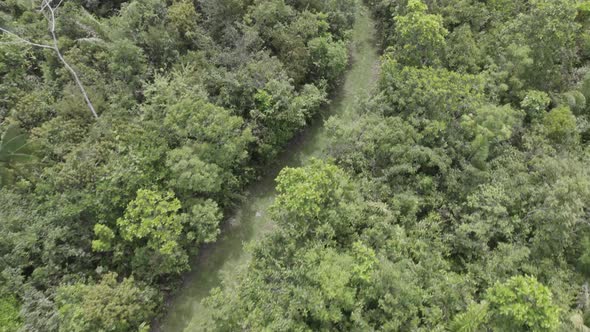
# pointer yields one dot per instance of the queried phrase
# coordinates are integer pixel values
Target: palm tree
(14, 151)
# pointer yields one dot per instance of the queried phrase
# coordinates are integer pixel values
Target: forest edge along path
(219, 261)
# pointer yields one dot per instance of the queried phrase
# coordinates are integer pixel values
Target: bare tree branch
(60, 56)
(22, 40)
(49, 13)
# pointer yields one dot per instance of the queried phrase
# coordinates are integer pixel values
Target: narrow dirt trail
(221, 260)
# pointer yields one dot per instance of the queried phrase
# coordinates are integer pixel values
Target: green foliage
(585, 86)
(535, 104)
(463, 53)
(181, 132)
(576, 101)
(14, 152)
(184, 17)
(365, 261)
(329, 58)
(10, 320)
(105, 306)
(451, 181)
(313, 202)
(304, 192)
(489, 126)
(280, 112)
(472, 320)
(212, 144)
(104, 236)
(193, 174)
(127, 64)
(420, 37)
(157, 233)
(560, 125)
(152, 216)
(522, 304)
(549, 29)
(584, 259)
(428, 94)
(439, 189)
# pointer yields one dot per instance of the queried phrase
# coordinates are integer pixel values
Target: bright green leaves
(153, 217)
(316, 202)
(519, 304)
(305, 192)
(331, 278)
(488, 126)
(184, 17)
(522, 304)
(212, 144)
(106, 306)
(471, 320)
(365, 261)
(191, 174)
(535, 104)
(335, 277)
(158, 232)
(420, 37)
(560, 125)
(329, 58)
(280, 112)
(429, 94)
(10, 320)
(492, 122)
(104, 238)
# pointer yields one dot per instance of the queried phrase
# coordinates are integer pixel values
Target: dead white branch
(49, 13)
(20, 40)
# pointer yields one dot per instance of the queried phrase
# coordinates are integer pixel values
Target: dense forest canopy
(99, 215)
(456, 199)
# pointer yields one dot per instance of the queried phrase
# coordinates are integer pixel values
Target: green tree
(487, 127)
(329, 58)
(158, 234)
(560, 125)
(472, 320)
(419, 37)
(10, 320)
(154, 217)
(535, 104)
(312, 202)
(14, 152)
(426, 94)
(522, 304)
(108, 305)
(463, 53)
(549, 29)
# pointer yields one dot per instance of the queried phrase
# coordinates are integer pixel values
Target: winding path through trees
(219, 262)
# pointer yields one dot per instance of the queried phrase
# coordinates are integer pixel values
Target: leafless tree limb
(22, 40)
(60, 56)
(49, 13)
